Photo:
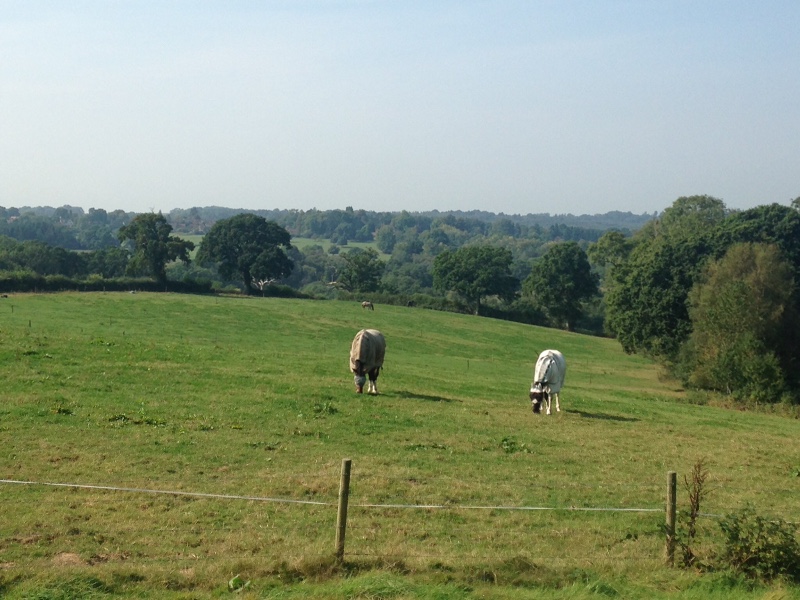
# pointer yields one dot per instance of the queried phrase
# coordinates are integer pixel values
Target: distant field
(326, 244)
(250, 399)
(299, 242)
(195, 239)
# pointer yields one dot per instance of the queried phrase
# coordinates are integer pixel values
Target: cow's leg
(558, 408)
(547, 403)
(359, 381)
(373, 380)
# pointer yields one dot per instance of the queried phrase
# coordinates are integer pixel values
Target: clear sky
(514, 106)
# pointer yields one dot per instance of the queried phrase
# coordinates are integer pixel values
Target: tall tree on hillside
(562, 281)
(647, 288)
(743, 323)
(690, 216)
(362, 270)
(475, 272)
(767, 224)
(153, 246)
(249, 246)
(611, 250)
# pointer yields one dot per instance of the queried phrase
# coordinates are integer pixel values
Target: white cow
(548, 378)
(366, 359)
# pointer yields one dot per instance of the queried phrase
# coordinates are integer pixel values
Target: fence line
(322, 503)
(669, 508)
(352, 505)
(167, 492)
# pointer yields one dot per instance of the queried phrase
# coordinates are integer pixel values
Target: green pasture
(190, 237)
(244, 408)
(326, 244)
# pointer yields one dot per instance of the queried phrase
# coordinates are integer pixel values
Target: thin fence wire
(326, 503)
(367, 541)
(721, 511)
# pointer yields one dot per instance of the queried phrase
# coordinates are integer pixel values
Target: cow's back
(369, 347)
(555, 377)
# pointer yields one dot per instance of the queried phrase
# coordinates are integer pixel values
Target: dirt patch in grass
(68, 559)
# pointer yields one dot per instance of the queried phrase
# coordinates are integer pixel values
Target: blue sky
(505, 106)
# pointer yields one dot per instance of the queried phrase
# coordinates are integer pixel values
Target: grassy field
(232, 403)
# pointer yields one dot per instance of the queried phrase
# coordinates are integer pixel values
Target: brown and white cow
(366, 359)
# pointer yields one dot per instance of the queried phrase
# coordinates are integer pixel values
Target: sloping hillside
(237, 402)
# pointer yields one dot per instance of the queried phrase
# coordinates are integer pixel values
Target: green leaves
(759, 547)
(153, 246)
(362, 271)
(740, 313)
(562, 281)
(247, 246)
(474, 272)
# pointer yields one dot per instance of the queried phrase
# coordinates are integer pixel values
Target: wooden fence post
(341, 518)
(672, 496)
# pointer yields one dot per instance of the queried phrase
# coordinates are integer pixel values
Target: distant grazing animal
(548, 379)
(367, 304)
(411, 303)
(366, 358)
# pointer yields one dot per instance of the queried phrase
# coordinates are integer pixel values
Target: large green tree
(249, 247)
(690, 216)
(153, 246)
(108, 262)
(561, 282)
(743, 316)
(362, 270)
(475, 272)
(647, 287)
(611, 250)
(767, 224)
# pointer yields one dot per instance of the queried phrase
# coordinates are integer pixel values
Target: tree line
(710, 292)
(713, 294)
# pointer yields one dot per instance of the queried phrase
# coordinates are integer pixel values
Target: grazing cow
(548, 378)
(366, 358)
(367, 304)
(411, 303)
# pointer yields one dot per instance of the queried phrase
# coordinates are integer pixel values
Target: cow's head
(538, 398)
(359, 376)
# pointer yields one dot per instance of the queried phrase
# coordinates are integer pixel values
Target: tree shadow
(415, 396)
(602, 416)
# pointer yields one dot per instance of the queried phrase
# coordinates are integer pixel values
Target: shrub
(760, 548)
(697, 490)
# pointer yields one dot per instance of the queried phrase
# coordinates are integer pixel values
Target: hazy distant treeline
(73, 228)
(361, 225)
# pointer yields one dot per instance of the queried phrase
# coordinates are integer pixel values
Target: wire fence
(105, 523)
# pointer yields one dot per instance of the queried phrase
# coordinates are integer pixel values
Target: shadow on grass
(602, 416)
(415, 396)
